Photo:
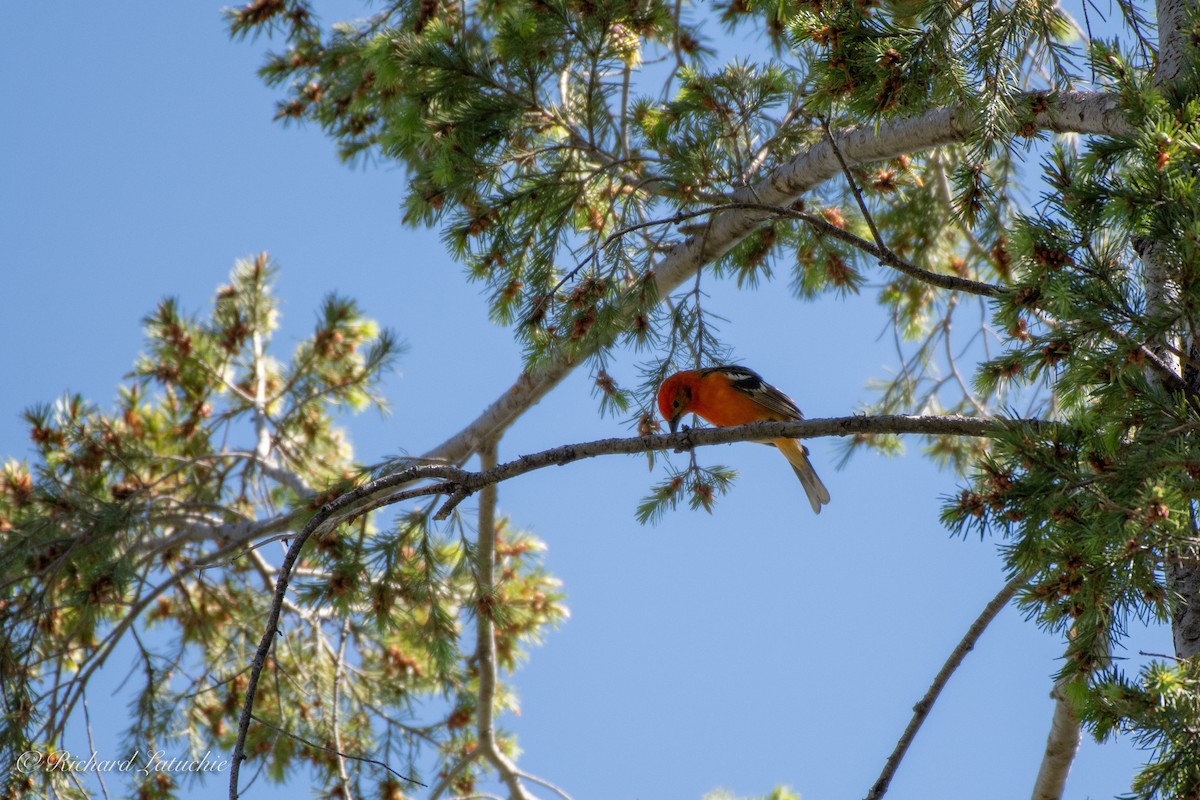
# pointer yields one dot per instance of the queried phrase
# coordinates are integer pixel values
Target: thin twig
(922, 708)
(544, 782)
(952, 362)
(676, 50)
(332, 750)
(884, 255)
(485, 630)
(334, 722)
(862, 204)
(87, 725)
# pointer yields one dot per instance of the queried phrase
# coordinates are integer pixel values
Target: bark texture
(1162, 292)
(1061, 745)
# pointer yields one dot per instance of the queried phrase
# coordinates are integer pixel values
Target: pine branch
(77, 684)
(925, 705)
(1095, 113)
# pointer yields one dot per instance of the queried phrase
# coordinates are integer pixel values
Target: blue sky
(752, 647)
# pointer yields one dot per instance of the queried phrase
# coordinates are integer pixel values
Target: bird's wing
(749, 382)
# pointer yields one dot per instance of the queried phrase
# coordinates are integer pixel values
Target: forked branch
(458, 484)
(485, 629)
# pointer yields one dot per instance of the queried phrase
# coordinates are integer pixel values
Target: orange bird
(734, 395)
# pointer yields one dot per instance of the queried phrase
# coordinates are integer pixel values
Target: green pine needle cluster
(138, 529)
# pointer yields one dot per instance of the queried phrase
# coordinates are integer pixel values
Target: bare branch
(334, 723)
(546, 783)
(858, 198)
(464, 483)
(925, 705)
(485, 630)
(1061, 745)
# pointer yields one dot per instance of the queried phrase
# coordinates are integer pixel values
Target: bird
(735, 395)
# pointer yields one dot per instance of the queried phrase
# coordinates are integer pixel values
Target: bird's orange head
(675, 397)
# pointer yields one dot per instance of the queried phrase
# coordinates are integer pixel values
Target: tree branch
(853, 184)
(465, 483)
(885, 255)
(1061, 745)
(485, 630)
(1095, 113)
(925, 705)
(333, 751)
(1174, 17)
(461, 483)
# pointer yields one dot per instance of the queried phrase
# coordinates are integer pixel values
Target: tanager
(732, 395)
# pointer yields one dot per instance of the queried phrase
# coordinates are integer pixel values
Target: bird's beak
(673, 422)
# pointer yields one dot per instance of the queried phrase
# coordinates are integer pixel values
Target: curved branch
(886, 257)
(459, 484)
(334, 751)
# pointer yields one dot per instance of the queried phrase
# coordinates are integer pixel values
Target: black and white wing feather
(748, 381)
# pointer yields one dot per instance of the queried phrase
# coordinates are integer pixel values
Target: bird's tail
(797, 455)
